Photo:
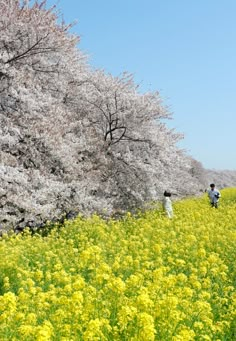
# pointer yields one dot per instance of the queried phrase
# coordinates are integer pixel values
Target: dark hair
(167, 194)
(212, 185)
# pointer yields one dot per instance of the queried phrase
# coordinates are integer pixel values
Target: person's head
(167, 194)
(212, 186)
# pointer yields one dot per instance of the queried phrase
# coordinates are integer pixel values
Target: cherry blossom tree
(75, 139)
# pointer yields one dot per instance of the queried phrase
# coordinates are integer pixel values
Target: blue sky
(185, 49)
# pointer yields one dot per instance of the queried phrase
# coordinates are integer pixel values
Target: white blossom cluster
(75, 139)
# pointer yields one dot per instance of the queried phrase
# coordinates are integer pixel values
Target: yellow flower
(26, 330)
(146, 328)
(185, 334)
(6, 283)
(31, 319)
(143, 300)
(125, 315)
(117, 285)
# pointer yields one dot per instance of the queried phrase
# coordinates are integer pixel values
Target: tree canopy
(72, 138)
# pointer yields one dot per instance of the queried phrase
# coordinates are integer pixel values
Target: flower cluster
(141, 278)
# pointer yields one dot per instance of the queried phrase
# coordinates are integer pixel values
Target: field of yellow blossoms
(140, 278)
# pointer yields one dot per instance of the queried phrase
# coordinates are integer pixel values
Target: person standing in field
(167, 204)
(214, 195)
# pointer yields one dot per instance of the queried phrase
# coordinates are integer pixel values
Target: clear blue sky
(185, 49)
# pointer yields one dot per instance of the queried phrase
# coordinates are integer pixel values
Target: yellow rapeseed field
(141, 278)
